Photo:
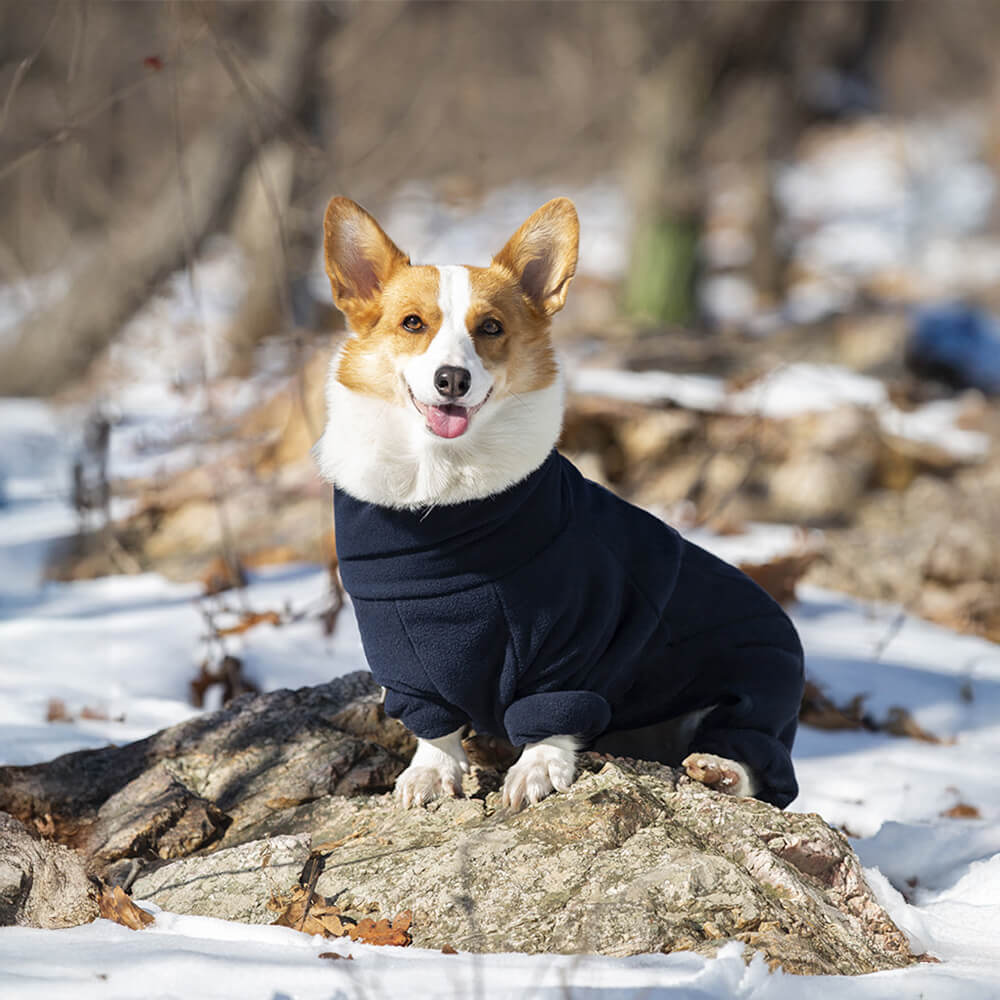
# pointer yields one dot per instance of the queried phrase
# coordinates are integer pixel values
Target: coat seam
(498, 594)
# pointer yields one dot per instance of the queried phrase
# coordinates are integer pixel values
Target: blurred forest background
(784, 310)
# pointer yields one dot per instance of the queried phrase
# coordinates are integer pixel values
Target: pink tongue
(447, 421)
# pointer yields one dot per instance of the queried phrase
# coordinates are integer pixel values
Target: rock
(238, 883)
(175, 792)
(631, 860)
(42, 884)
(815, 487)
(961, 553)
(871, 342)
(655, 435)
(155, 815)
(634, 858)
(972, 606)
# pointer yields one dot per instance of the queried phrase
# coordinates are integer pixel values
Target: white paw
(417, 786)
(720, 773)
(436, 770)
(545, 767)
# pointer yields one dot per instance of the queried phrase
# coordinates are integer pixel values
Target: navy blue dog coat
(556, 608)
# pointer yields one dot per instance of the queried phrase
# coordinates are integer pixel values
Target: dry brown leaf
(448, 950)
(228, 674)
(780, 575)
(313, 914)
(821, 712)
(56, 711)
(386, 932)
(93, 713)
(115, 904)
(962, 810)
(249, 619)
(900, 722)
(222, 574)
(334, 955)
(272, 555)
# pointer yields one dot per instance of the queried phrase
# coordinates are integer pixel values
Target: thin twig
(24, 65)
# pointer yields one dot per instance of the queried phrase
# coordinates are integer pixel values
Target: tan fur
(522, 359)
(369, 362)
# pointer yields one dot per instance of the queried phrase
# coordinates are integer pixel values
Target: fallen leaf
(334, 955)
(56, 711)
(900, 722)
(821, 712)
(448, 950)
(313, 914)
(222, 574)
(115, 904)
(384, 932)
(962, 810)
(93, 713)
(228, 674)
(273, 555)
(251, 618)
(780, 575)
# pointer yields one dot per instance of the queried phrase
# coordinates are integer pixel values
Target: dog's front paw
(421, 783)
(720, 773)
(543, 768)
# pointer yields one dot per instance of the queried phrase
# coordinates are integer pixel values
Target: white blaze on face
(452, 345)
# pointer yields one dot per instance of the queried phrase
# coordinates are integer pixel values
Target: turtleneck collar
(388, 554)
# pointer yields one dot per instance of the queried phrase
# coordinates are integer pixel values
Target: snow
(129, 646)
(789, 391)
(693, 392)
(877, 197)
(807, 388)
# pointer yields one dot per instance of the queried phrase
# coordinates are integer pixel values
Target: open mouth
(449, 420)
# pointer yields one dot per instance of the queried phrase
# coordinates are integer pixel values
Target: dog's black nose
(452, 381)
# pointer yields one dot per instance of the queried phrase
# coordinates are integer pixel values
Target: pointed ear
(359, 256)
(542, 255)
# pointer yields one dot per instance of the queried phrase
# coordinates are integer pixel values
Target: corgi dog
(493, 585)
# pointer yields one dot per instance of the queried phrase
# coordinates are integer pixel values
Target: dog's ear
(541, 255)
(359, 256)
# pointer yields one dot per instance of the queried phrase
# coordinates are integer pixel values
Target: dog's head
(449, 344)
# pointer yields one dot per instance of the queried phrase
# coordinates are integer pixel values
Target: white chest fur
(378, 452)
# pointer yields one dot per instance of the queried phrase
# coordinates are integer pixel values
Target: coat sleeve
(422, 713)
(410, 696)
(534, 717)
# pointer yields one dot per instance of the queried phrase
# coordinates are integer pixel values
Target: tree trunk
(144, 244)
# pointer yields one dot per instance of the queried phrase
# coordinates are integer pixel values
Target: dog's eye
(490, 327)
(413, 323)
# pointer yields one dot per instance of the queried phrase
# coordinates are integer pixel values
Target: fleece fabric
(557, 608)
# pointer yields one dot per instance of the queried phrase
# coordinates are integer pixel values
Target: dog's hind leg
(721, 774)
(669, 742)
